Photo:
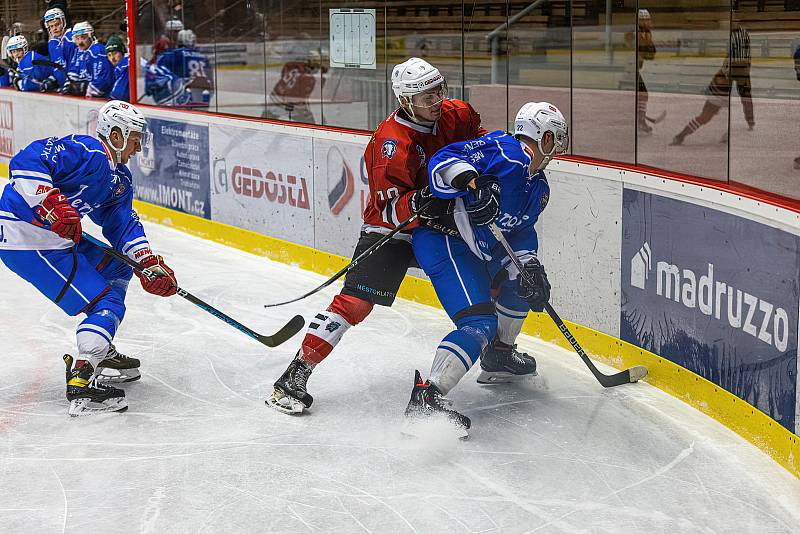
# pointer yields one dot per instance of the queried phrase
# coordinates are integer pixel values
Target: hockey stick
(658, 119)
(633, 374)
(375, 246)
(291, 328)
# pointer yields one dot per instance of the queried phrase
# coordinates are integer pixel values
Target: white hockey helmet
(18, 42)
(83, 28)
(534, 119)
(644, 14)
(415, 76)
(186, 38)
(173, 25)
(54, 13)
(126, 118)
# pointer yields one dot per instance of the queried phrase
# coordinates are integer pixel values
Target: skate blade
(117, 376)
(286, 405)
(432, 429)
(81, 407)
(488, 378)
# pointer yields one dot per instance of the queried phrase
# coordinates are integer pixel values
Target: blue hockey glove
(484, 206)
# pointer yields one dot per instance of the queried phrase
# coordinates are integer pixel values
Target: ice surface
(198, 451)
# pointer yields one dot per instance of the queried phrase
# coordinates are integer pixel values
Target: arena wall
(699, 282)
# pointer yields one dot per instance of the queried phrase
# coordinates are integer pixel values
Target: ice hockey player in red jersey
(396, 158)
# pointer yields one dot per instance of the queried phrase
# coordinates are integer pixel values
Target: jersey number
(196, 69)
(389, 213)
(2, 234)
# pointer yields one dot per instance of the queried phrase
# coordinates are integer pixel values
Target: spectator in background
(167, 40)
(61, 47)
(735, 69)
(29, 71)
(89, 73)
(117, 56)
(797, 73)
(289, 98)
(191, 67)
(646, 51)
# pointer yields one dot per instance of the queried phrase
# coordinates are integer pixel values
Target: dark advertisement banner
(174, 171)
(715, 293)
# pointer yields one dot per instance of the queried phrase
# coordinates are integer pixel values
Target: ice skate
(117, 368)
(428, 404)
(88, 397)
(290, 395)
(505, 364)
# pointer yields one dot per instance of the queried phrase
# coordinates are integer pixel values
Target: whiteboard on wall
(352, 38)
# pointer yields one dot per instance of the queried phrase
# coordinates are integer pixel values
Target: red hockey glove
(163, 282)
(63, 218)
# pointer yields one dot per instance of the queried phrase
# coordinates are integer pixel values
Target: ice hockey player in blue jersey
(191, 67)
(27, 76)
(61, 47)
(495, 179)
(116, 54)
(52, 184)
(89, 72)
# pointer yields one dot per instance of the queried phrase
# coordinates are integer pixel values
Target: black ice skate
(290, 394)
(501, 363)
(427, 402)
(117, 368)
(86, 396)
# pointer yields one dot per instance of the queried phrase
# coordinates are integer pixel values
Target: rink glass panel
(239, 51)
(691, 47)
(765, 156)
(603, 82)
(485, 68)
(539, 59)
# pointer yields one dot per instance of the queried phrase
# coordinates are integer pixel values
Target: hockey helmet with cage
(415, 76)
(186, 38)
(124, 117)
(534, 119)
(18, 42)
(83, 28)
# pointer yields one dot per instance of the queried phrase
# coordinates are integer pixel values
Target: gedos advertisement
(173, 171)
(263, 181)
(340, 196)
(714, 293)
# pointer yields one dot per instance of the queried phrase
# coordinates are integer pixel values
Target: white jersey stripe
(35, 174)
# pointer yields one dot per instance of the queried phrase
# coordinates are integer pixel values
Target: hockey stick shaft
(624, 377)
(291, 328)
(375, 246)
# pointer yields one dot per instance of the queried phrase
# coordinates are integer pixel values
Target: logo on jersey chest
(421, 154)
(389, 148)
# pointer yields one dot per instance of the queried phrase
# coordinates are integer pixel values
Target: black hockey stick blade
(634, 374)
(281, 336)
(658, 119)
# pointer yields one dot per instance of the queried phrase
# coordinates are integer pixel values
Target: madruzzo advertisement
(714, 293)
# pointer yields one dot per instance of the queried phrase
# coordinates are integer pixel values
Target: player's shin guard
(290, 393)
(328, 327)
(94, 336)
(460, 349)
